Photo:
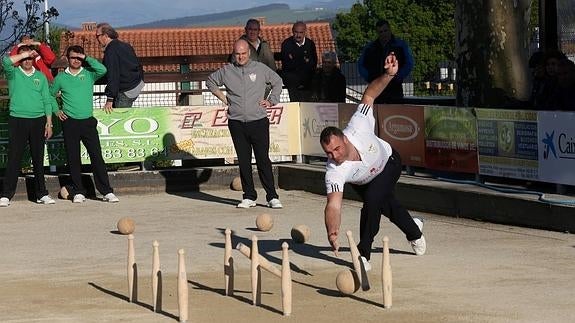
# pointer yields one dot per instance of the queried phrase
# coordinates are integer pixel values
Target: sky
(129, 12)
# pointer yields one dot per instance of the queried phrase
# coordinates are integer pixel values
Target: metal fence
(566, 27)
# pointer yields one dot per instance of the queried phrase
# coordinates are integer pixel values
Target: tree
(56, 33)
(426, 25)
(14, 23)
(492, 52)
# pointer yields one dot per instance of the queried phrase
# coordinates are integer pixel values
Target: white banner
(314, 117)
(557, 147)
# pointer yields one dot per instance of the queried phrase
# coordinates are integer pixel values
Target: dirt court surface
(64, 263)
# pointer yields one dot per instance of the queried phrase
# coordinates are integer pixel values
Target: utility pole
(46, 24)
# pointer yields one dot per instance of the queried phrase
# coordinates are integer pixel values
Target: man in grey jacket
(245, 83)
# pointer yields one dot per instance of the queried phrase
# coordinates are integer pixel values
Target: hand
(26, 41)
(61, 115)
(33, 54)
(332, 238)
(48, 131)
(391, 64)
(108, 107)
(265, 103)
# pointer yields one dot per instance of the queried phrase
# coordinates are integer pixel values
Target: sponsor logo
(189, 120)
(400, 127)
(314, 127)
(252, 77)
(564, 148)
(220, 116)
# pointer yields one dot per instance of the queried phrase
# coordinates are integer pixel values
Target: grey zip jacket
(245, 87)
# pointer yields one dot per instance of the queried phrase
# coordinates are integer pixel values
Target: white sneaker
(275, 204)
(246, 204)
(419, 222)
(419, 246)
(46, 199)
(111, 198)
(366, 264)
(4, 202)
(79, 198)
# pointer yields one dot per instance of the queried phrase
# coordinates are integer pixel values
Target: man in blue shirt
(372, 60)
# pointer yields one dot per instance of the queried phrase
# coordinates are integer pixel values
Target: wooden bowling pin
(155, 276)
(228, 264)
(256, 273)
(182, 287)
(286, 281)
(131, 270)
(355, 259)
(263, 262)
(386, 274)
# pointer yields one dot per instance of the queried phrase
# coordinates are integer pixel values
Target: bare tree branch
(15, 24)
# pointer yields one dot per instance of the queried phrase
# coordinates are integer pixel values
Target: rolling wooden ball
(264, 222)
(64, 194)
(347, 282)
(236, 184)
(126, 225)
(300, 233)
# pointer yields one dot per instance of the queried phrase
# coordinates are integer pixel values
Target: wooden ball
(126, 225)
(236, 184)
(300, 233)
(264, 222)
(347, 282)
(64, 194)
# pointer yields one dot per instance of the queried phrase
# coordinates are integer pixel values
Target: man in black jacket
(125, 77)
(299, 61)
(372, 60)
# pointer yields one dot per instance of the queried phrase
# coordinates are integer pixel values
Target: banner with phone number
(159, 133)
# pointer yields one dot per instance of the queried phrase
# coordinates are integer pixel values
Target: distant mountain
(273, 14)
(332, 4)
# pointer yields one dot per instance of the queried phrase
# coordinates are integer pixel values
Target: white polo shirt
(373, 150)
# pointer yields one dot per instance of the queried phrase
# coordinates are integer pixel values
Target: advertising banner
(136, 135)
(507, 143)
(402, 126)
(450, 139)
(314, 117)
(346, 111)
(557, 147)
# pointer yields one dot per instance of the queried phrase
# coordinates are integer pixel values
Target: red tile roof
(197, 41)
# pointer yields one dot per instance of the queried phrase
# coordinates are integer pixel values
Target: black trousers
(378, 198)
(23, 132)
(392, 94)
(85, 131)
(253, 135)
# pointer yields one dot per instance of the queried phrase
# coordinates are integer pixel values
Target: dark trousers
(392, 94)
(378, 198)
(123, 101)
(23, 132)
(298, 84)
(299, 94)
(85, 131)
(253, 135)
